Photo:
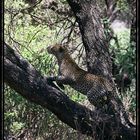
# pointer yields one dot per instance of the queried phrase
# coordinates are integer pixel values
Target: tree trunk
(93, 36)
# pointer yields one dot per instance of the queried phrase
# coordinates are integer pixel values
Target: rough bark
(24, 79)
(111, 10)
(133, 33)
(93, 36)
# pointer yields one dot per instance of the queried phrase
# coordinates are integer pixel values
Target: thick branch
(111, 9)
(24, 79)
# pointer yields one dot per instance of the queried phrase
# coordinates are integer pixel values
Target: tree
(23, 78)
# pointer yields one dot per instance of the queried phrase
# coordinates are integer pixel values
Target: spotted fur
(96, 88)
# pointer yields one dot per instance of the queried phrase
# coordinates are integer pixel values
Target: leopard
(69, 73)
(99, 91)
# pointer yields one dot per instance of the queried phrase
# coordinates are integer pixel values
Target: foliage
(124, 53)
(125, 64)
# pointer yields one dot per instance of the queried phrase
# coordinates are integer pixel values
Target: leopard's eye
(61, 49)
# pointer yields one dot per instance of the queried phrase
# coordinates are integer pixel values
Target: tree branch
(28, 82)
(25, 80)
